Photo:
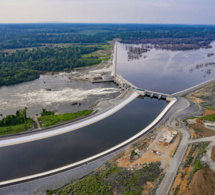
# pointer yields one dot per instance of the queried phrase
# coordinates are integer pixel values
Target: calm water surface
(166, 71)
(47, 154)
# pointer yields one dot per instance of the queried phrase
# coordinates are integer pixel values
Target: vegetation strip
(112, 180)
(16, 123)
(12, 124)
(49, 119)
(26, 65)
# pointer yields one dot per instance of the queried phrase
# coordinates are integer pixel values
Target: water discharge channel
(47, 154)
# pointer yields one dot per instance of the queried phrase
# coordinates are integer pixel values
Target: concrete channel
(62, 176)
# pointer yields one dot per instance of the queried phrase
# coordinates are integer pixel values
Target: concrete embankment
(61, 130)
(98, 156)
(86, 164)
(194, 88)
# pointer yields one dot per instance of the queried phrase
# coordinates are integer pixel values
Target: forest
(26, 65)
(13, 36)
(12, 120)
(36, 56)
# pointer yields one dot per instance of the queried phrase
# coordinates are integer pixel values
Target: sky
(108, 11)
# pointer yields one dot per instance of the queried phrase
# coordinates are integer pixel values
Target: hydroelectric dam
(73, 150)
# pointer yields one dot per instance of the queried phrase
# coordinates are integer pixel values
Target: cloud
(108, 11)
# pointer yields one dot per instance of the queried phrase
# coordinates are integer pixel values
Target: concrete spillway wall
(114, 60)
(122, 83)
(157, 95)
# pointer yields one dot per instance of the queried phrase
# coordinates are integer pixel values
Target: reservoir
(165, 71)
(51, 153)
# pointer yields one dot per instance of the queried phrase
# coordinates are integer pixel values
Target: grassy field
(112, 180)
(50, 120)
(210, 108)
(209, 118)
(102, 55)
(17, 128)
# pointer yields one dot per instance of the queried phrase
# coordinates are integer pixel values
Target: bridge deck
(153, 92)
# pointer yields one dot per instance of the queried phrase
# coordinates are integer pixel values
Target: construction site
(158, 146)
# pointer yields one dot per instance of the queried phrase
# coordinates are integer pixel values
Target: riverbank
(49, 59)
(97, 155)
(155, 123)
(117, 147)
(46, 120)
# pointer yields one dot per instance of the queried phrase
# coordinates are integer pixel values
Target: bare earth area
(213, 153)
(208, 112)
(179, 181)
(204, 96)
(145, 148)
(190, 165)
(202, 131)
(194, 177)
(146, 154)
(203, 182)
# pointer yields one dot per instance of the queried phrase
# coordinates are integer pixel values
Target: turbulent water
(62, 97)
(158, 70)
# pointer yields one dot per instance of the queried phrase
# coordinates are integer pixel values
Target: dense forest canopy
(26, 65)
(12, 120)
(14, 36)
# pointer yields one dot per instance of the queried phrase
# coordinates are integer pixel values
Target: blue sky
(108, 11)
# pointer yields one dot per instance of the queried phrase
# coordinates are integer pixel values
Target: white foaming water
(35, 96)
(64, 95)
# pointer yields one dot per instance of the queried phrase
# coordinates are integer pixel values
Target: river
(64, 93)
